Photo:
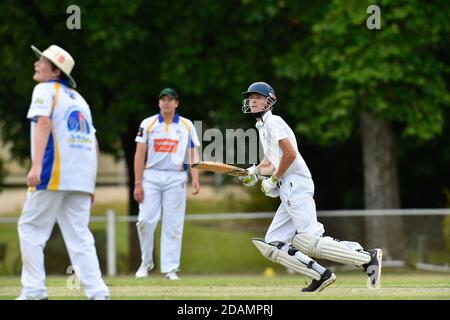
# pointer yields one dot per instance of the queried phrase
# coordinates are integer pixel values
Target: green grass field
(396, 284)
(234, 272)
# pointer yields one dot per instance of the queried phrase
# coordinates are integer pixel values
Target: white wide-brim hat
(60, 58)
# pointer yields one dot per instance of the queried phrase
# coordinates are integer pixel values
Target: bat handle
(262, 177)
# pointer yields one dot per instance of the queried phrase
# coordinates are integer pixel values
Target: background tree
(346, 89)
(369, 81)
(114, 69)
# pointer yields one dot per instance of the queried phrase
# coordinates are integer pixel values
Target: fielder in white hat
(60, 59)
(61, 180)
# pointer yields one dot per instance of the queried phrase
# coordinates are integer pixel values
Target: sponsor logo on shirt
(38, 101)
(70, 93)
(266, 134)
(77, 123)
(165, 145)
(79, 129)
(140, 132)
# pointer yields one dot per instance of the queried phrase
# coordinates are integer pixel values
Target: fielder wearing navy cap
(169, 92)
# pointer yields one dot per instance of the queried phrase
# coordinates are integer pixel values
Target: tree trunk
(381, 187)
(129, 147)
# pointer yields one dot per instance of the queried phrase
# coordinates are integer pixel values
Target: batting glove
(251, 179)
(269, 185)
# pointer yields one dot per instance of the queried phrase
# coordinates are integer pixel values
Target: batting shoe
(143, 271)
(172, 275)
(326, 279)
(38, 297)
(100, 298)
(373, 267)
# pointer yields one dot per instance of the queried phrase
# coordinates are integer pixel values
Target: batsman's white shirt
(297, 211)
(70, 159)
(272, 129)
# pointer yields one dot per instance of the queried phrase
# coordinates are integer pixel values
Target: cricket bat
(222, 168)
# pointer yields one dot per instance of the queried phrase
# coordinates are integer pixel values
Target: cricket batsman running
(295, 235)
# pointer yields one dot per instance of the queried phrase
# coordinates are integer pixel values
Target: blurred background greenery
(370, 107)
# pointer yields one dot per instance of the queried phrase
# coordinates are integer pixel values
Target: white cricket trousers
(297, 211)
(163, 190)
(71, 210)
(297, 214)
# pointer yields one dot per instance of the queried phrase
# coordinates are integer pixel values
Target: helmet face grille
(271, 101)
(263, 89)
(246, 105)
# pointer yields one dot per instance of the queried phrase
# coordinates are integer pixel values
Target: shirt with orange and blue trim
(70, 158)
(167, 143)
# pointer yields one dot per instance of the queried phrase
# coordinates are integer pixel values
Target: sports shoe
(373, 267)
(143, 271)
(100, 298)
(38, 297)
(172, 275)
(326, 279)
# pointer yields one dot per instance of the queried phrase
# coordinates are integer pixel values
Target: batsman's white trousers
(297, 211)
(71, 210)
(166, 191)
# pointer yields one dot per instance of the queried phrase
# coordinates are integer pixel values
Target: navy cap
(169, 92)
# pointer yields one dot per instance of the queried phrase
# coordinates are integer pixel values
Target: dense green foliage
(323, 62)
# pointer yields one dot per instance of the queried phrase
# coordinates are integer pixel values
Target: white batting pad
(330, 249)
(279, 256)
